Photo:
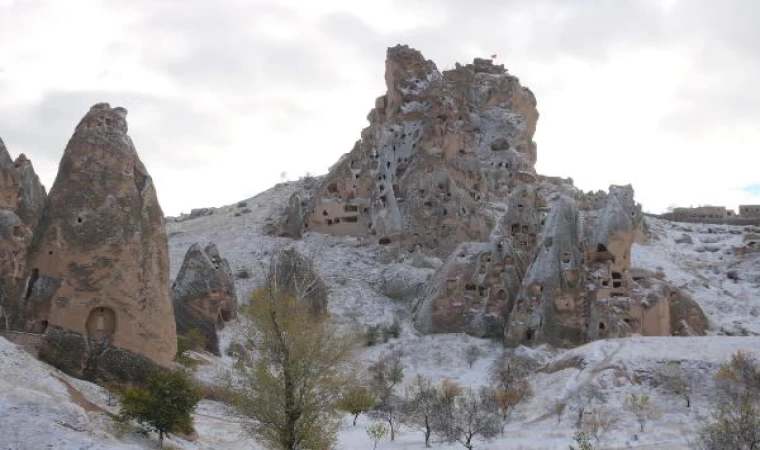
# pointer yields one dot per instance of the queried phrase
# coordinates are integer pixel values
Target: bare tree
(678, 381)
(596, 422)
(471, 354)
(510, 369)
(421, 406)
(506, 400)
(509, 375)
(391, 411)
(642, 407)
(385, 375)
(558, 408)
(473, 415)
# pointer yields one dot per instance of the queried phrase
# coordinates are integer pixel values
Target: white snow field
(44, 409)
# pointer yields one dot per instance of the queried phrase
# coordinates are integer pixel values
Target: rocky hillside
(445, 169)
(436, 219)
(360, 296)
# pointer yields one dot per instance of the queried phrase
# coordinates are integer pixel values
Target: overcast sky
(226, 95)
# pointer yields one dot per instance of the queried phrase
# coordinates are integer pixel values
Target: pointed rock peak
(102, 119)
(22, 161)
(92, 249)
(406, 70)
(407, 57)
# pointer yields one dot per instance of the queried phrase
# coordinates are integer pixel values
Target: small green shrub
(193, 340)
(372, 335)
(165, 403)
(356, 401)
(394, 329)
(377, 432)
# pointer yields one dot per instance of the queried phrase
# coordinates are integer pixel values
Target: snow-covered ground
(702, 267)
(41, 411)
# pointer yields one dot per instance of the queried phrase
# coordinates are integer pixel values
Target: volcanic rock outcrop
(22, 198)
(439, 146)
(295, 275)
(204, 294)
(98, 282)
(446, 167)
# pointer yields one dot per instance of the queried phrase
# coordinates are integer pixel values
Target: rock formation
(295, 274)
(439, 146)
(446, 167)
(22, 198)
(204, 294)
(98, 266)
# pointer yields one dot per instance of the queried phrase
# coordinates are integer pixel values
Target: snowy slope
(701, 268)
(39, 411)
(354, 273)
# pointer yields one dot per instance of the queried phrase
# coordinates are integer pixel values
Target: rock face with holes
(447, 167)
(438, 147)
(477, 288)
(204, 294)
(581, 286)
(557, 269)
(97, 282)
(22, 198)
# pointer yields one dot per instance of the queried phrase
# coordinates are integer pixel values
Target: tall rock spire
(98, 269)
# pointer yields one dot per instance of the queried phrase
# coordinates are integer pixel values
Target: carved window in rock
(617, 280)
(101, 323)
(451, 287)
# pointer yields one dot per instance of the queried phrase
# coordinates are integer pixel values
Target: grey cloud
(42, 129)
(725, 38)
(216, 45)
(547, 29)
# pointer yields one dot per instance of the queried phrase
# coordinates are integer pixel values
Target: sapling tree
(421, 406)
(357, 400)
(643, 408)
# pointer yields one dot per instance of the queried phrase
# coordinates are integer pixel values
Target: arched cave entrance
(101, 323)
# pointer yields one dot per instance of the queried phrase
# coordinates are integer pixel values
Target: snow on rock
(357, 275)
(38, 412)
(701, 265)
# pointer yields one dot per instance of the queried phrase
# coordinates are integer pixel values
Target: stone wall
(31, 342)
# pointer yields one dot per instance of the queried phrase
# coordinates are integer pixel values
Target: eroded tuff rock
(98, 266)
(295, 274)
(22, 198)
(446, 167)
(204, 294)
(438, 147)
